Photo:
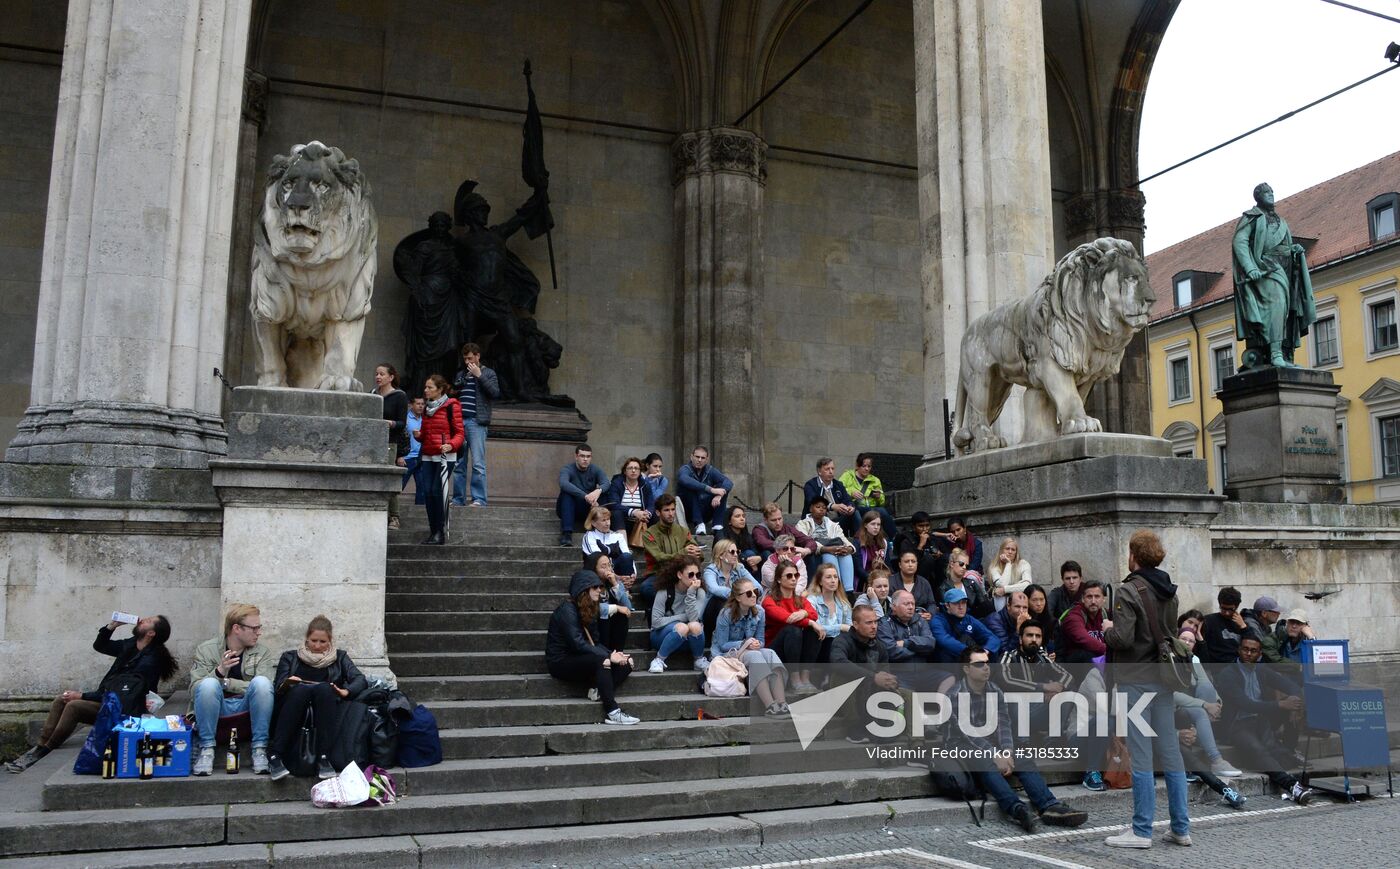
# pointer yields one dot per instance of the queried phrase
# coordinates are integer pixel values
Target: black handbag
(303, 759)
(383, 737)
(351, 742)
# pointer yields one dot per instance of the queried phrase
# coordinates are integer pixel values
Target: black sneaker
(1062, 815)
(1021, 814)
(275, 768)
(566, 540)
(858, 739)
(324, 769)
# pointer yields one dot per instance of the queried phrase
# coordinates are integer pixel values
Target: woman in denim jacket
(738, 633)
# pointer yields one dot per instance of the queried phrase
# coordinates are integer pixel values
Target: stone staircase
(465, 628)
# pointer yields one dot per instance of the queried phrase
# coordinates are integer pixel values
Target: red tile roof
(1333, 212)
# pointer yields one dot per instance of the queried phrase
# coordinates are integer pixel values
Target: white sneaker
(657, 666)
(1179, 839)
(1221, 767)
(700, 529)
(1128, 839)
(204, 762)
(702, 663)
(593, 694)
(618, 717)
(259, 761)
(1299, 794)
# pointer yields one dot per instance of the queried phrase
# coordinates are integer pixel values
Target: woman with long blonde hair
(738, 633)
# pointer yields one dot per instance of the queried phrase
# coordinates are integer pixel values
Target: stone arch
(1182, 435)
(1130, 90)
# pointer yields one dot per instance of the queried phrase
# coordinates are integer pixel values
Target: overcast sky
(1227, 66)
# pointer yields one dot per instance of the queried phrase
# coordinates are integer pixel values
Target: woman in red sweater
(441, 437)
(791, 627)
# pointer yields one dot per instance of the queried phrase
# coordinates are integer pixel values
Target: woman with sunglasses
(614, 603)
(737, 634)
(961, 576)
(676, 613)
(719, 578)
(785, 552)
(791, 627)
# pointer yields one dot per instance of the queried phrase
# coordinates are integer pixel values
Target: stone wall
(610, 186)
(29, 106)
(843, 362)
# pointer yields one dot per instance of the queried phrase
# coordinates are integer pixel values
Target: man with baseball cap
(1262, 617)
(955, 630)
(1287, 644)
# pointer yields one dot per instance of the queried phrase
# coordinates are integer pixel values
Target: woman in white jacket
(1009, 572)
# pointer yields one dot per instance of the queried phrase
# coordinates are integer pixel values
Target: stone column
(719, 176)
(1123, 402)
(984, 177)
(136, 247)
(247, 207)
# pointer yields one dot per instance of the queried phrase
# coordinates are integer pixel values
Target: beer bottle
(109, 762)
(145, 757)
(231, 760)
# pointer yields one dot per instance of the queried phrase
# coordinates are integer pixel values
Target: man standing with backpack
(1144, 614)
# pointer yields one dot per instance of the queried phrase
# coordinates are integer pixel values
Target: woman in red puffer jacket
(441, 438)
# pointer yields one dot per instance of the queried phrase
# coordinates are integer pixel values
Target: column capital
(719, 149)
(254, 97)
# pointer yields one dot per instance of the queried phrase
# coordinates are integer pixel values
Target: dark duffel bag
(351, 736)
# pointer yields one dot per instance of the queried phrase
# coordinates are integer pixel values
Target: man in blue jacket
(954, 630)
(475, 387)
(703, 491)
(825, 484)
(581, 486)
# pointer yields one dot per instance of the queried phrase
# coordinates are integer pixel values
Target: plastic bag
(89, 759)
(350, 788)
(382, 789)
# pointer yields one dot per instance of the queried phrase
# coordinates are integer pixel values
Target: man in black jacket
(857, 654)
(1221, 631)
(920, 540)
(142, 654)
(1249, 691)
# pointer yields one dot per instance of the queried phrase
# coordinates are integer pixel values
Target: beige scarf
(317, 661)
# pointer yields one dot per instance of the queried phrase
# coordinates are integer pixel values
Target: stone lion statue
(313, 269)
(1057, 343)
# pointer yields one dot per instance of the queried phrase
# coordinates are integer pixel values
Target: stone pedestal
(305, 489)
(1078, 497)
(527, 446)
(1281, 427)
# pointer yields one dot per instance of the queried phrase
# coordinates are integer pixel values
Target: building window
(1325, 342)
(1220, 462)
(1383, 210)
(1384, 334)
(1390, 446)
(1180, 379)
(1183, 291)
(1224, 358)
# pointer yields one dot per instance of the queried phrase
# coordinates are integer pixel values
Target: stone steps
(451, 664)
(535, 740)
(505, 600)
(284, 822)
(542, 686)
(551, 711)
(505, 569)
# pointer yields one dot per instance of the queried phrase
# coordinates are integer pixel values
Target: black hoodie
(566, 629)
(1129, 641)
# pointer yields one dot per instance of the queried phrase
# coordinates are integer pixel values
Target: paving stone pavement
(1325, 833)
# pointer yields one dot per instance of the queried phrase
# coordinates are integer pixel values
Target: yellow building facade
(1348, 227)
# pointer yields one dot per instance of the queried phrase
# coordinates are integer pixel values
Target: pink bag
(725, 677)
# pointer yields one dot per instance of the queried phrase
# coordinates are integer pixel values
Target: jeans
(1160, 714)
(571, 508)
(999, 789)
(845, 567)
(644, 593)
(698, 509)
(1258, 750)
(439, 476)
(476, 446)
(211, 704)
(665, 641)
(413, 468)
(1205, 732)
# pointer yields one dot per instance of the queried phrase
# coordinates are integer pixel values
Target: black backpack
(383, 737)
(130, 688)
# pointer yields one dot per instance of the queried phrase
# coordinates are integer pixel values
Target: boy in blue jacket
(954, 629)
